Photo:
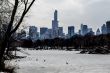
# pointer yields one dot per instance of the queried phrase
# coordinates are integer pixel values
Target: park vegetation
(91, 44)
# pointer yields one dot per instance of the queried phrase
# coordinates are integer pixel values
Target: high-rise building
(60, 31)
(46, 35)
(108, 27)
(55, 25)
(43, 30)
(33, 34)
(70, 31)
(104, 29)
(49, 33)
(84, 29)
(98, 32)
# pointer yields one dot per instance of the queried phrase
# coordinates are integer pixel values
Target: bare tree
(12, 25)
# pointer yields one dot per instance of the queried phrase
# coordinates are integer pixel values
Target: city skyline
(58, 32)
(93, 13)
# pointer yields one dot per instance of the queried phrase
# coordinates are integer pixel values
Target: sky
(93, 13)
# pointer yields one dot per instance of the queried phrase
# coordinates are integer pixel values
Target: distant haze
(93, 13)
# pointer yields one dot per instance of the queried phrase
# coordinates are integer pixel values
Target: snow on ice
(55, 61)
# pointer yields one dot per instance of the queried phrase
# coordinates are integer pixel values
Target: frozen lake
(54, 61)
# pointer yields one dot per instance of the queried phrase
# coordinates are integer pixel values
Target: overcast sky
(93, 13)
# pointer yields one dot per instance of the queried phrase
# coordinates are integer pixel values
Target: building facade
(60, 31)
(33, 34)
(71, 31)
(84, 29)
(104, 29)
(55, 25)
(108, 27)
(43, 30)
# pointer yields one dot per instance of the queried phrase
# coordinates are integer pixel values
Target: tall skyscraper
(71, 31)
(104, 29)
(108, 27)
(55, 25)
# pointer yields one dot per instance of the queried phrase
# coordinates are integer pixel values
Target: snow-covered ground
(54, 61)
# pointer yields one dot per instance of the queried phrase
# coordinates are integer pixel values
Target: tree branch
(26, 9)
(12, 16)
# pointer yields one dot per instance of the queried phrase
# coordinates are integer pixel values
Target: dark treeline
(78, 42)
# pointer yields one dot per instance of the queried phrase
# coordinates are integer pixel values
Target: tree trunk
(2, 50)
(3, 46)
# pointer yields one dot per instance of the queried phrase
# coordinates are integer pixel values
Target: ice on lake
(55, 61)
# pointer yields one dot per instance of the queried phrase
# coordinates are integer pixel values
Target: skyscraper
(108, 27)
(60, 31)
(33, 34)
(43, 30)
(71, 31)
(49, 33)
(84, 29)
(55, 25)
(104, 29)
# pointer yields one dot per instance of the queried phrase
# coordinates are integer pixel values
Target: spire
(55, 15)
